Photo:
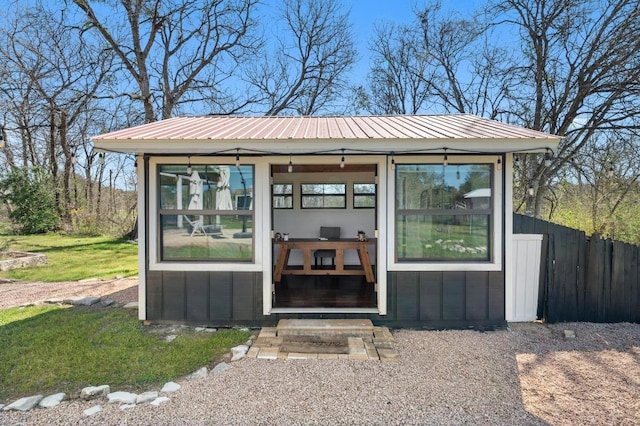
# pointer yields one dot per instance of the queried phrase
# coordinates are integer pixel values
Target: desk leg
(283, 259)
(339, 259)
(306, 253)
(365, 261)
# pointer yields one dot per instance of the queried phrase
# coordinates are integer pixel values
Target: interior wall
(306, 223)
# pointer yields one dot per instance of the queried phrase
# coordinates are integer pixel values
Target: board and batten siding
(434, 300)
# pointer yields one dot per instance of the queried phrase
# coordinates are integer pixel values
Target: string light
(499, 164)
(393, 162)
(530, 190)
(445, 161)
(101, 158)
(135, 164)
(189, 168)
(237, 157)
(342, 160)
(73, 159)
(290, 167)
(516, 160)
(610, 171)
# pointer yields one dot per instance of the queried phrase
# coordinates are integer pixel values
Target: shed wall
(434, 300)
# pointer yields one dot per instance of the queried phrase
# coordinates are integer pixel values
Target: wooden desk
(308, 245)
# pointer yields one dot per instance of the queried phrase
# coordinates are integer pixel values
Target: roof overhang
(220, 135)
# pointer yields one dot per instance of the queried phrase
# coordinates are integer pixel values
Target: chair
(197, 225)
(330, 233)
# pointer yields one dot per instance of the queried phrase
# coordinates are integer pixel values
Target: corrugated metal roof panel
(400, 127)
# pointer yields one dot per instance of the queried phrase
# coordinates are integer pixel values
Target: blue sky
(366, 13)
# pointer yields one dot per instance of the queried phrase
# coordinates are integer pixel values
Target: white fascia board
(284, 147)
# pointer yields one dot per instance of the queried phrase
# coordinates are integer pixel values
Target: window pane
(442, 237)
(206, 237)
(208, 187)
(186, 233)
(282, 202)
(364, 201)
(283, 188)
(364, 188)
(435, 186)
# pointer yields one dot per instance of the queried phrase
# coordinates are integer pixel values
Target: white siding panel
(522, 293)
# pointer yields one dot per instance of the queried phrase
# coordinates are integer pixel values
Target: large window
(206, 213)
(443, 212)
(323, 195)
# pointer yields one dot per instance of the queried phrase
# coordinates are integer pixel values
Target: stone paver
(375, 345)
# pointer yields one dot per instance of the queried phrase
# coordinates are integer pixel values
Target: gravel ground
(529, 375)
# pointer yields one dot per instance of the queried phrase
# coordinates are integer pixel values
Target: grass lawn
(72, 258)
(55, 349)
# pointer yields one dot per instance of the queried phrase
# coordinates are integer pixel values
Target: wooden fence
(584, 278)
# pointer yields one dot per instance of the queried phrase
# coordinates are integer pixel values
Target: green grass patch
(72, 258)
(53, 349)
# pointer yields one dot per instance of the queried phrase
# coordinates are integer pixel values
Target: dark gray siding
(206, 298)
(434, 300)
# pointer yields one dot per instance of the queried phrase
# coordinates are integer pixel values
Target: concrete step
(325, 327)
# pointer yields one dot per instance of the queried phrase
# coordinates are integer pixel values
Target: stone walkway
(363, 341)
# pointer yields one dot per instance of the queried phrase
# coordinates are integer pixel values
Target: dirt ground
(16, 293)
(593, 378)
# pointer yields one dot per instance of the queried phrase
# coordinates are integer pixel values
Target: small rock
(245, 329)
(249, 342)
(119, 277)
(221, 368)
(159, 400)
(170, 387)
(24, 404)
(131, 305)
(146, 397)
(123, 397)
(52, 400)
(239, 352)
(87, 301)
(54, 301)
(170, 338)
(200, 328)
(569, 334)
(127, 406)
(91, 392)
(106, 302)
(198, 374)
(93, 410)
(1, 407)
(210, 330)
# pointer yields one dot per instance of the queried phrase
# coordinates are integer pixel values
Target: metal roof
(175, 134)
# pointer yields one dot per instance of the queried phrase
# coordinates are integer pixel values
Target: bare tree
(440, 62)
(397, 79)
(53, 78)
(306, 71)
(577, 74)
(176, 51)
(570, 68)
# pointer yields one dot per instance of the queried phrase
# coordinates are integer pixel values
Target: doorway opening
(305, 200)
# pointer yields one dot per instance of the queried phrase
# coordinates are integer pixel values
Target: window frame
(373, 195)
(154, 223)
(284, 195)
(496, 219)
(323, 195)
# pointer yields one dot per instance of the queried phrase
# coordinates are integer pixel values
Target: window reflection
(206, 214)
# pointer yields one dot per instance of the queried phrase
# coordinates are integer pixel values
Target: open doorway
(304, 202)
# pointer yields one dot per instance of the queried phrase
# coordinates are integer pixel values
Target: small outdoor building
(231, 211)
